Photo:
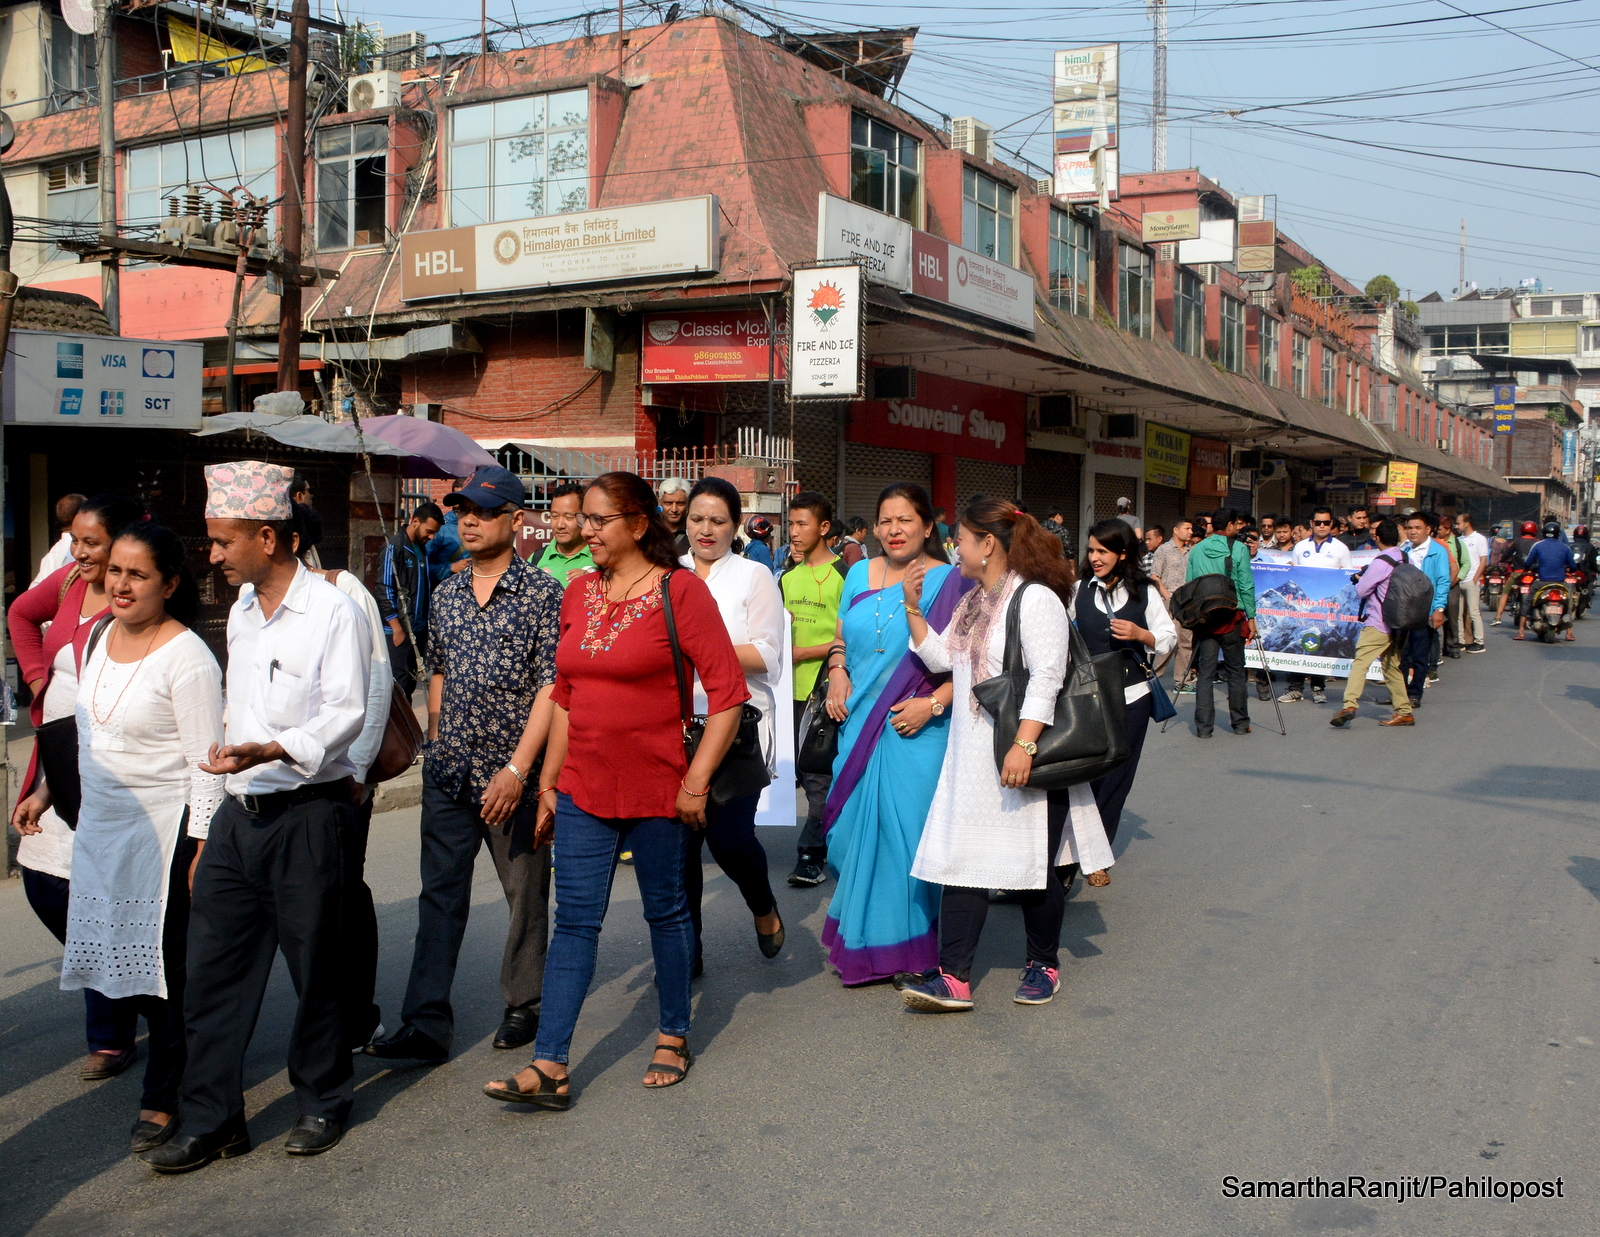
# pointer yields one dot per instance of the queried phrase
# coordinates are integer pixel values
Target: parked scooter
(1552, 609)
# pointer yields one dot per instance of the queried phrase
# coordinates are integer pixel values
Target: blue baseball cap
(490, 487)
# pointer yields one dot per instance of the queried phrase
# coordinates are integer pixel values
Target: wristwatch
(1031, 748)
(934, 705)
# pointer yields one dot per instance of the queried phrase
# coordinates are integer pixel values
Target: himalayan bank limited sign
(623, 242)
(965, 280)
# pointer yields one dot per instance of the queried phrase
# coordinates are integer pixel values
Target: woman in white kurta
(149, 708)
(987, 829)
(751, 606)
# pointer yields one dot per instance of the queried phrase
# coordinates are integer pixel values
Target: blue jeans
(585, 858)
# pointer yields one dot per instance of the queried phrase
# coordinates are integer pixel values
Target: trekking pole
(1276, 708)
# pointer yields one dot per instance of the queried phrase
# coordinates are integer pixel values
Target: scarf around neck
(972, 624)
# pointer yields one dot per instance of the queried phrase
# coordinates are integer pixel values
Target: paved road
(1332, 953)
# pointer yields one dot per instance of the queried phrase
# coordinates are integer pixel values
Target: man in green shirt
(812, 586)
(1221, 554)
(567, 555)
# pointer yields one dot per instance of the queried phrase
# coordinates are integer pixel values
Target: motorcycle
(1494, 583)
(1520, 583)
(1551, 610)
(1582, 584)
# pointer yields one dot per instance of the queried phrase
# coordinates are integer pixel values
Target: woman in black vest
(1118, 609)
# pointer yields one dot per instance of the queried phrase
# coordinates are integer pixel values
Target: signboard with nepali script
(1166, 456)
(966, 280)
(718, 345)
(947, 417)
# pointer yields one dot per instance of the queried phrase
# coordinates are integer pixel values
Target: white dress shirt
(1331, 553)
(1477, 550)
(751, 606)
(299, 679)
(380, 686)
(56, 557)
(1158, 622)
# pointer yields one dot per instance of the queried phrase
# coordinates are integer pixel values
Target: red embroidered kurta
(614, 677)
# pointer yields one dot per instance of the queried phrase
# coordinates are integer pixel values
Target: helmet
(1552, 529)
(758, 526)
(1581, 532)
(1529, 529)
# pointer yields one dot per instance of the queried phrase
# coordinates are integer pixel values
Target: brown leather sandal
(1099, 879)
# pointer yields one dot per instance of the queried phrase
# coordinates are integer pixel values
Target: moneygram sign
(596, 246)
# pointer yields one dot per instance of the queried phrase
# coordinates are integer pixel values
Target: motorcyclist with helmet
(1551, 559)
(1586, 555)
(1516, 557)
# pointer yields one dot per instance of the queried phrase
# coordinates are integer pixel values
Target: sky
(1379, 127)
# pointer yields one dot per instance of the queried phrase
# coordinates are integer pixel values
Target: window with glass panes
(352, 188)
(885, 167)
(1327, 376)
(1070, 241)
(1269, 334)
(1188, 313)
(988, 216)
(151, 174)
(1300, 364)
(1135, 291)
(1231, 337)
(519, 158)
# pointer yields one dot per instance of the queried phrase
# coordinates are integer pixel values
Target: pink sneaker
(943, 994)
(1039, 984)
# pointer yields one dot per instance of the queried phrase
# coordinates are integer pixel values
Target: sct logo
(71, 402)
(112, 403)
(69, 361)
(159, 363)
(161, 404)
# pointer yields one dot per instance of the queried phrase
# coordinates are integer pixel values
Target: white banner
(880, 242)
(825, 336)
(82, 380)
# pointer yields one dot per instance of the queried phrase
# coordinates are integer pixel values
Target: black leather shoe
(519, 1028)
(183, 1153)
(408, 1044)
(314, 1135)
(770, 944)
(147, 1135)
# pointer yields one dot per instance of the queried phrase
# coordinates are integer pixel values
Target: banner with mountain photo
(1309, 619)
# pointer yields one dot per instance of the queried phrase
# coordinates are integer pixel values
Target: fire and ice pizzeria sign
(825, 338)
(80, 380)
(624, 242)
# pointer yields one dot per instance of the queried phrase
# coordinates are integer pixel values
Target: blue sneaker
(1039, 984)
(943, 994)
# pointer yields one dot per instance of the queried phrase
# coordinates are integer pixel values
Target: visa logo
(114, 361)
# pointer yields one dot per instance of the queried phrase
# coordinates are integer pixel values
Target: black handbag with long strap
(57, 744)
(743, 770)
(1089, 737)
(819, 733)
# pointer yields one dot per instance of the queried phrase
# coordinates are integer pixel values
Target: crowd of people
(611, 700)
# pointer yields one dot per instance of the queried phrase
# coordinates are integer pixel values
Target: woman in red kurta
(615, 776)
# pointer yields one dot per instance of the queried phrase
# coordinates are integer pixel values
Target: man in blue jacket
(1432, 559)
(1552, 560)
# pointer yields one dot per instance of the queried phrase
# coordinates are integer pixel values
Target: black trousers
(1416, 659)
(453, 831)
(816, 786)
(1297, 682)
(267, 882)
(963, 912)
(360, 933)
(109, 1026)
(730, 831)
(1111, 791)
(403, 662)
(1207, 647)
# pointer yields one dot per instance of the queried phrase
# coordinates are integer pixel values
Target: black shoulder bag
(57, 744)
(743, 770)
(819, 733)
(1089, 737)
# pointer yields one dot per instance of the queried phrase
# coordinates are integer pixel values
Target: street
(1364, 952)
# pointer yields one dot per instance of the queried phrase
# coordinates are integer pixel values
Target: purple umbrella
(436, 450)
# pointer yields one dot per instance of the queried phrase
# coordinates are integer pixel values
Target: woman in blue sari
(882, 920)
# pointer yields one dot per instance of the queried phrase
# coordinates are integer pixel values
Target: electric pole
(294, 196)
(1158, 92)
(1461, 278)
(106, 74)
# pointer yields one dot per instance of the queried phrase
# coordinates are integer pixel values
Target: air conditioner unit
(1248, 459)
(972, 136)
(1057, 412)
(404, 51)
(374, 90)
(1443, 367)
(1045, 186)
(1271, 470)
(1443, 444)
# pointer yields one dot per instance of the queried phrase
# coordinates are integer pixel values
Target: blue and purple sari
(882, 919)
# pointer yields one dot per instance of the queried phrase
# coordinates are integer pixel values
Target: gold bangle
(913, 611)
(697, 794)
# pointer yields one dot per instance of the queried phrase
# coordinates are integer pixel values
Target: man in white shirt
(60, 554)
(1321, 549)
(1471, 583)
(270, 877)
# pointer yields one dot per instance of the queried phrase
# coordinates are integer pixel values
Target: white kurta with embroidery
(143, 728)
(980, 834)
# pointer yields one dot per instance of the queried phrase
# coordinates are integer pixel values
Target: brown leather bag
(402, 735)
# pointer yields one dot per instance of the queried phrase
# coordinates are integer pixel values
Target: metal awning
(309, 432)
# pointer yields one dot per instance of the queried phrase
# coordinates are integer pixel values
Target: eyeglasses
(1322, 521)
(600, 521)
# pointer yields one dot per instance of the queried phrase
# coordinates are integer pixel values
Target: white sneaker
(1318, 696)
(1290, 698)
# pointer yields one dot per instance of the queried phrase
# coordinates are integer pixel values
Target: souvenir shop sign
(711, 346)
(947, 417)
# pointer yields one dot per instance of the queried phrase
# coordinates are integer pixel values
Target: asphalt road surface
(1361, 952)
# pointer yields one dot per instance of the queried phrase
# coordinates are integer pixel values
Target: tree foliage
(1382, 288)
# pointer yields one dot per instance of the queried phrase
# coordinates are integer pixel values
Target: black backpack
(1203, 601)
(1409, 601)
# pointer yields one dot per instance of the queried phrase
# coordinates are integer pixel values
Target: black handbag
(57, 745)
(1089, 737)
(743, 770)
(819, 733)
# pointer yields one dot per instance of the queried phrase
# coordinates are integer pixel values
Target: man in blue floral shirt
(492, 633)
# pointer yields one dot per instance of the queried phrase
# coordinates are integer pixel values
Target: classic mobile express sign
(710, 346)
(625, 242)
(70, 379)
(948, 416)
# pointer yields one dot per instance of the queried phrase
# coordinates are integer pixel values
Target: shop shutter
(1163, 505)
(1054, 479)
(983, 477)
(869, 470)
(1106, 492)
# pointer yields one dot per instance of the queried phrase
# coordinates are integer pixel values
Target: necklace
(489, 575)
(877, 604)
(624, 601)
(94, 708)
(819, 580)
